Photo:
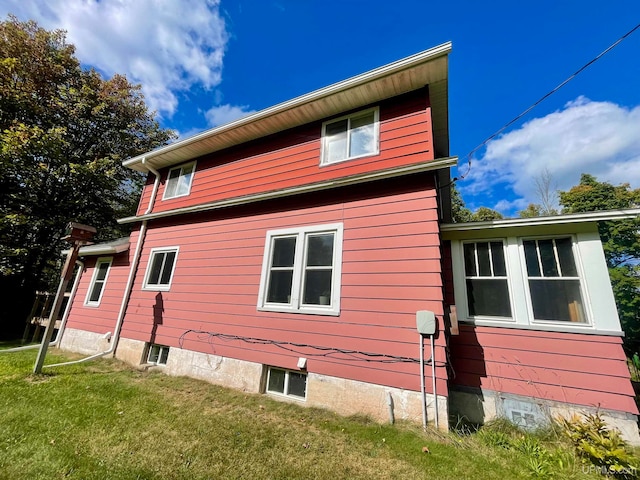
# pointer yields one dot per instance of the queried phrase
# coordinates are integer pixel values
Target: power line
(544, 97)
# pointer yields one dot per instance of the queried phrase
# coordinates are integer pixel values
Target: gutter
(130, 280)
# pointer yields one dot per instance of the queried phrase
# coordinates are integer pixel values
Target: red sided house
(288, 253)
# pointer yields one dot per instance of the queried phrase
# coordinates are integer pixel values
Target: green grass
(104, 420)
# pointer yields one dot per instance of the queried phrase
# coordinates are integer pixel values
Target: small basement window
(158, 354)
(287, 382)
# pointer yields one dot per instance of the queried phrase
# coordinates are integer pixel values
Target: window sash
(307, 278)
(160, 269)
(288, 383)
(352, 136)
(179, 181)
(98, 282)
(486, 281)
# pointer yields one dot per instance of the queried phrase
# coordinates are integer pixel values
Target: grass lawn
(104, 420)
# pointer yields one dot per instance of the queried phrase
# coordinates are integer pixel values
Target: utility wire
(544, 97)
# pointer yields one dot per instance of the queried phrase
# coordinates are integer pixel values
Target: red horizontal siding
(566, 367)
(292, 158)
(391, 268)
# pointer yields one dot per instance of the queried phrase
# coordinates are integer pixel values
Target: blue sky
(202, 63)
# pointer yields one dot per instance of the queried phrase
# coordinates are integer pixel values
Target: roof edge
(380, 72)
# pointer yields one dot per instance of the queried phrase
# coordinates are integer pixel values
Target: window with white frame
(287, 382)
(162, 263)
(533, 282)
(179, 181)
(158, 354)
(301, 270)
(351, 136)
(486, 279)
(553, 280)
(98, 282)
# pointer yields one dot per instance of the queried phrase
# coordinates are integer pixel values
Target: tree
(621, 243)
(484, 214)
(532, 210)
(64, 132)
(461, 214)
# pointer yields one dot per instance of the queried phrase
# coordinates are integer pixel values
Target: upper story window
(162, 263)
(351, 136)
(301, 270)
(98, 282)
(179, 181)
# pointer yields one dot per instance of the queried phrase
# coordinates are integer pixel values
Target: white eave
(429, 67)
(549, 223)
(113, 247)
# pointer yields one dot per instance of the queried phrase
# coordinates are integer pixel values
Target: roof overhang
(113, 247)
(556, 224)
(429, 67)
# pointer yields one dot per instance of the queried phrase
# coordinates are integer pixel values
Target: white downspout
(130, 279)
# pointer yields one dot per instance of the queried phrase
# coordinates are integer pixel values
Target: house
(288, 253)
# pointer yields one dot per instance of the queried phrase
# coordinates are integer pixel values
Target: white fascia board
(314, 187)
(398, 66)
(108, 248)
(572, 218)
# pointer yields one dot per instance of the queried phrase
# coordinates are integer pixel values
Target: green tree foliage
(532, 210)
(64, 132)
(621, 243)
(461, 214)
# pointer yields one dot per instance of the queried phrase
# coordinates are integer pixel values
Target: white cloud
(165, 45)
(221, 114)
(600, 138)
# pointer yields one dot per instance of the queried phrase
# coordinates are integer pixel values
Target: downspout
(130, 279)
(65, 315)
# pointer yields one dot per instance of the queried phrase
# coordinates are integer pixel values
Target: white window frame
(595, 288)
(160, 287)
(295, 304)
(376, 130)
(186, 169)
(94, 280)
(285, 392)
(161, 349)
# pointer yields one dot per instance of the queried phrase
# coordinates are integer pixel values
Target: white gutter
(130, 280)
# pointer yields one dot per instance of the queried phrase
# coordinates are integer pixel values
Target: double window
(351, 136)
(522, 280)
(179, 181)
(301, 270)
(98, 282)
(158, 354)
(287, 383)
(162, 262)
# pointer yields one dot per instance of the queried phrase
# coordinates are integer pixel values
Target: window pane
(103, 268)
(280, 286)
(276, 380)
(164, 355)
(184, 182)
(565, 256)
(284, 250)
(557, 300)
(336, 141)
(484, 264)
(488, 297)
(172, 183)
(317, 287)
(156, 265)
(531, 257)
(548, 258)
(320, 250)
(362, 135)
(470, 259)
(154, 352)
(170, 257)
(95, 292)
(297, 384)
(497, 255)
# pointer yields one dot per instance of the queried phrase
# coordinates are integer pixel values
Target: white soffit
(429, 67)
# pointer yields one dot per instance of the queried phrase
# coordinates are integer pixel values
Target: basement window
(287, 382)
(158, 354)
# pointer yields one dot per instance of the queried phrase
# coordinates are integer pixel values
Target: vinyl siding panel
(390, 269)
(292, 158)
(584, 369)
